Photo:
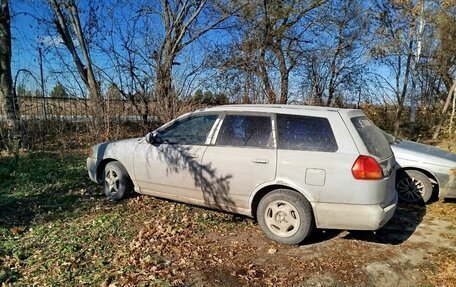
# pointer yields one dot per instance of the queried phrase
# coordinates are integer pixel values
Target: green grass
(56, 228)
(38, 186)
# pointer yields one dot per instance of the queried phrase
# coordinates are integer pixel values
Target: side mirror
(150, 138)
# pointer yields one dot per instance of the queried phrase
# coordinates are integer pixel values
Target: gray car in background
(293, 168)
(423, 169)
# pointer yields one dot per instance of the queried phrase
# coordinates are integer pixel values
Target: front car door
(241, 157)
(171, 166)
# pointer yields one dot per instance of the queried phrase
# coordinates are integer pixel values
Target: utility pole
(42, 83)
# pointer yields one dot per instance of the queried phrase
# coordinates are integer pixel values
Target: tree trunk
(444, 110)
(96, 101)
(414, 96)
(8, 104)
(453, 111)
(164, 89)
(270, 94)
(86, 71)
(283, 74)
(333, 75)
(397, 118)
(401, 96)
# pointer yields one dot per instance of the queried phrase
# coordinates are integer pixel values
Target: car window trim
(240, 113)
(208, 139)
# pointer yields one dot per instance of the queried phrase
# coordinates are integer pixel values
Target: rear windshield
(375, 141)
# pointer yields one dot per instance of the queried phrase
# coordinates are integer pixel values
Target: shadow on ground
(449, 200)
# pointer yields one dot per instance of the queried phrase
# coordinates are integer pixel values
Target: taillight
(366, 167)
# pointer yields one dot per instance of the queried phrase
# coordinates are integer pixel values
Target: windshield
(375, 141)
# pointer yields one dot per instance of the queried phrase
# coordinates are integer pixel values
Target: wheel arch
(263, 190)
(101, 165)
(431, 176)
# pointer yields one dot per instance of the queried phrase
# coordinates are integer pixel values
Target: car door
(242, 156)
(171, 166)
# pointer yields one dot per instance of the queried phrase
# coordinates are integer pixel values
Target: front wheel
(116, 181)
(413, 187)
(285, 216)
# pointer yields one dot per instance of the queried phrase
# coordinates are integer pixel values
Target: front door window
(188, 131)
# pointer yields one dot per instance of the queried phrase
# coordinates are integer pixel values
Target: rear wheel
(285, 216)
(116, 181)
(413, 187)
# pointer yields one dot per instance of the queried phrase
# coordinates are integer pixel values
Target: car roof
(274, 108)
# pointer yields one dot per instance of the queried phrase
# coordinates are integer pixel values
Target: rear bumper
(354, 216)
(92, 168)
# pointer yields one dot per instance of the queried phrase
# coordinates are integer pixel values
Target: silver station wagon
(293, 168)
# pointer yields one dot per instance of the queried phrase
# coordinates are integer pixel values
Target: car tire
(285, 216)
(413, 186)
(116, 181)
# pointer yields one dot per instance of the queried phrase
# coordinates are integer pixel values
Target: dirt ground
(418, 247)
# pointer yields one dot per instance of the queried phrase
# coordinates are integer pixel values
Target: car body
(437, 165)
(315, 166)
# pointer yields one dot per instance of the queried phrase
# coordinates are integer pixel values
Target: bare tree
(270, 44)
(395, 40)
(68, 24)
(416, 62)
(124, 41)
(184, 22)
(8, 104)
(445, 61)
(336, 61)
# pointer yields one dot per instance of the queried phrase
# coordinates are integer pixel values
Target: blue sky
(32, 28)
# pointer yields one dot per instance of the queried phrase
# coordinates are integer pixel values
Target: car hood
(423, 153)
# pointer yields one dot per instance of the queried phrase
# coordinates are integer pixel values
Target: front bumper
(92, 164)
(448, 191)
(447, 185)
(354, 216)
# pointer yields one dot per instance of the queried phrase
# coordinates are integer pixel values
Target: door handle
(263, 161)
(192, 155)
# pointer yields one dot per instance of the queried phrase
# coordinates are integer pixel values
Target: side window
(375, 141)
(243, 130)
(305, 133)
(189, 131)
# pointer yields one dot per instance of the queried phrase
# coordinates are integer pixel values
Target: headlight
(453, 171)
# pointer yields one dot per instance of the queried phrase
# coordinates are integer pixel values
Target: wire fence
(53, 123)
(50, 119)
(76, 109)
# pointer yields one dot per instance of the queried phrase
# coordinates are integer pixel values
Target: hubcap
(112, 181)
(282, 218)
(410, 189)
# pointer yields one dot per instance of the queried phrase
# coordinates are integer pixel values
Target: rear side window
(305, 133)
(375, 141)
(243, 130)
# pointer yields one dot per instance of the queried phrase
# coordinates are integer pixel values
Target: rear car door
(309, 156)
(241, 157)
